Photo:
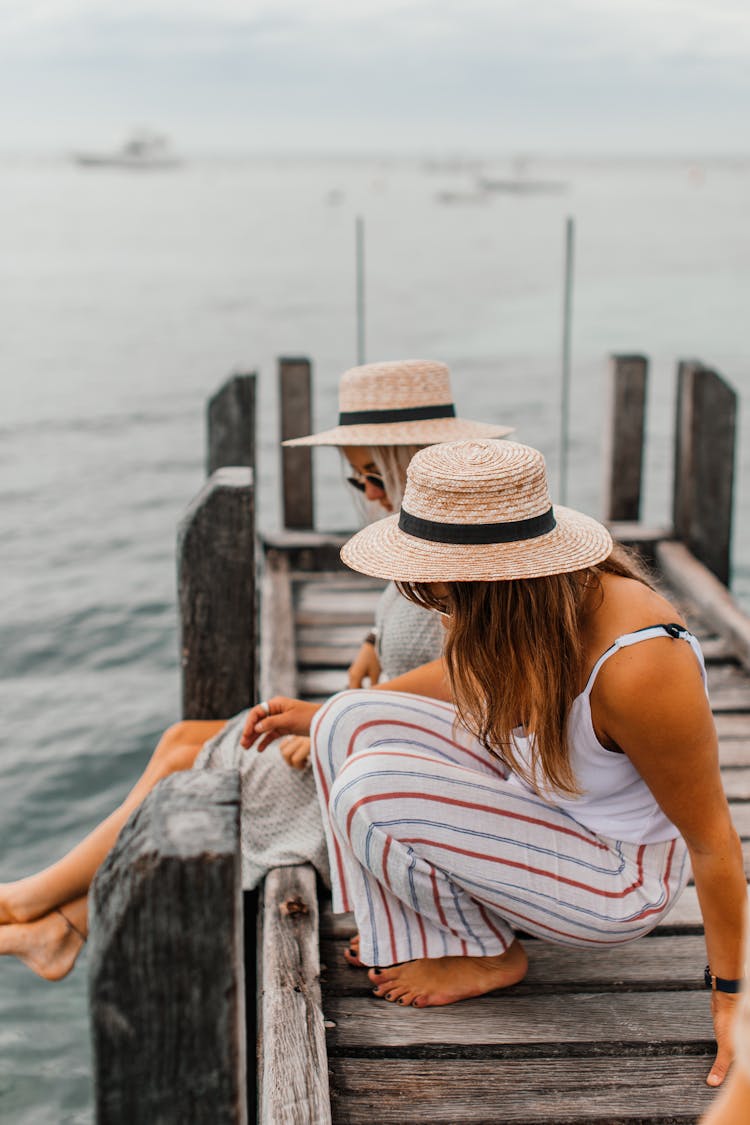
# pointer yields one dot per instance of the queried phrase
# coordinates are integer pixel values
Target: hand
(296, 751)
(285, 716)
(723, 1009)
(366, 666)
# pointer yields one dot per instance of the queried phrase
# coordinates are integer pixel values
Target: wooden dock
(618, 1035)
(589, 1037)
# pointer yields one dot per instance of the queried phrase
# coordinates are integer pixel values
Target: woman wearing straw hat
(387, 412)
(554, 773)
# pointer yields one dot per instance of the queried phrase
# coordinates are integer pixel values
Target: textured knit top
(614, 800)
(407, 634)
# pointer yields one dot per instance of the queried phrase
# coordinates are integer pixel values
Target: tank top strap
(677, 632)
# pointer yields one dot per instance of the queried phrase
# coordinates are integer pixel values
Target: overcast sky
(598, 76)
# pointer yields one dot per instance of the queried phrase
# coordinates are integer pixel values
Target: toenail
(375, 992)
(414, 1004)
(387, 995)
(376, 972)
(400, 1000)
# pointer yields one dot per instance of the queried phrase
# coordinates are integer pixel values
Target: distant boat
(522, 186)
(520, 183)
(143, 150)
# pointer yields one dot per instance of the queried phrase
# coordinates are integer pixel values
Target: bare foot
(48, 946)
(352, 953)
(433, 981)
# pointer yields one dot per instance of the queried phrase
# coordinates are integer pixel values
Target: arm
(649, 702)
(293, 716)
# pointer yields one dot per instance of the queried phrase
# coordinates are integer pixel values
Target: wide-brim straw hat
(477, 511)
(402, 402)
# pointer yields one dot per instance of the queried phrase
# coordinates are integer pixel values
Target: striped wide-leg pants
(438, 853)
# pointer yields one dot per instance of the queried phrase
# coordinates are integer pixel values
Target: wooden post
(216, 580)
(623, 456)
(166, 974)
(704, 465)
(295, 396)
(293, 1064)
(230, 420)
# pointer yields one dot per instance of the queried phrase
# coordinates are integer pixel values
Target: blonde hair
(515, 659)
(391, 462)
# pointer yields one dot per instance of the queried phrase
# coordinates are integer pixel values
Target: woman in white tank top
(556, 772)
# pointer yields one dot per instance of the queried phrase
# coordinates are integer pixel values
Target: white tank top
(614, 800)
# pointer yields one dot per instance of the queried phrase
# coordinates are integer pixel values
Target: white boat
(143, 150)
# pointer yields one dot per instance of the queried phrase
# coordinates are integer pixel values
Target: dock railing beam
(704, 465)
(230, 424)
(624, 437)
(295, 415)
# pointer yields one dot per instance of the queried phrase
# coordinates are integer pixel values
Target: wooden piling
(295, 413)
(216, 580)
(704, 465)
(230, 424)
(166, 960)
(624, 433)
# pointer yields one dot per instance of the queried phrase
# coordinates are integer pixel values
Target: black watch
(719, 984)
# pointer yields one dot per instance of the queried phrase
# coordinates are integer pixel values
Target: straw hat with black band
(477, 511)
(401, 402)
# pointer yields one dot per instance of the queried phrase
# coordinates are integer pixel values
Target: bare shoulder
(660, 672)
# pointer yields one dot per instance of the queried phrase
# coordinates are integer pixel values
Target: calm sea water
(126, 299)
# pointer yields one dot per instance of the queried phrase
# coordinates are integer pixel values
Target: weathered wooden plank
(737, 783)
(327, 656)
(295, 413)
(623, 455)
(293, 1075)
(278, 667)
(733, 727)
(337, 636)
(512, 1024)
(733, 751)
(230, 422)
(622, 1091)
(310, 551)
(704, 465)
(312, 597)
(166, 959)
(716, 650)
(674, 961)
(216, 581)
(695, 581)
(320, 683)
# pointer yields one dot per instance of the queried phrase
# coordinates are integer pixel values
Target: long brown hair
(514, 655)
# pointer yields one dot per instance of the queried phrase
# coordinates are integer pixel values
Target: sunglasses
(361, 482)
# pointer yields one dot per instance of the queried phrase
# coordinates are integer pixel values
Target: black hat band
(513, 531)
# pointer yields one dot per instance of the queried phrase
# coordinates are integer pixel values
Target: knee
(333, 725)
(354, 792)
(177, 747)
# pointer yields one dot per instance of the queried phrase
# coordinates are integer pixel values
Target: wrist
(726, 985)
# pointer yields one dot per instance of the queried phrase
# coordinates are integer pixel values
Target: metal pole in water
(565, 395)
(360, 261)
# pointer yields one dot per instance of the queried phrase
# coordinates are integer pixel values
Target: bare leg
(49, 946)
(70, 878)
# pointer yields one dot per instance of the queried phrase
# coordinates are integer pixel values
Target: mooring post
(705, 427)
(295, 413)
(230, 424)
(623, 435)
(166, 971)
(216, 589)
